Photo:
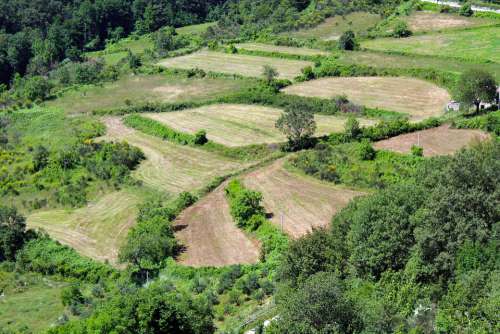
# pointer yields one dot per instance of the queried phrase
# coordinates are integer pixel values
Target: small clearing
(210, 237)
(437, 141)
(428, 21)
(170, 167)
(333, 27)
(96, 230)
(240, 125)
(144, 88)
(417, 98)
(303, 202)
(244, 65)
(281, 49)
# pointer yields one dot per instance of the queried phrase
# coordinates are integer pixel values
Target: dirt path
(210, 236)
(303, 202)
(437, 141)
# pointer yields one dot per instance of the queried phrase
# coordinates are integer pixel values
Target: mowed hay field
(417, 98)
(170, 167)
(240, 125)
(143, 88)
(478, 44)
(437, 141)
(210, 237)
(428, 21)
(281, 49)
(244, 65)
(333, 27)
(96, 230)
(304, 202)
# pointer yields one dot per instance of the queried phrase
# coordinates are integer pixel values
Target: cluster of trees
(36, 35)
(419, 257)
(245, 205)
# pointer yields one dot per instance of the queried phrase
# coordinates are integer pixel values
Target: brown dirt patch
(210, 236)
(417, 98)
(437, 141)
(304, 202)
(427, 21)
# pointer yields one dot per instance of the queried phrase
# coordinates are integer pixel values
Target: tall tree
(476, 86)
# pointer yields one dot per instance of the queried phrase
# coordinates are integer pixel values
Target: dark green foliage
(12, 233)
(46, 256)
(200, 137)
(352, 128)
(466, 9)
(401, 29)
(320, 305)
(298, 125)
(489, 122)
(133, 60)
(158, 129)
(71, 295)
(348, 41)
(245, 205)
(417, 151)
(476, 86)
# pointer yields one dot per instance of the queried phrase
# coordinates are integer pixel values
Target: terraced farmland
(437, 141)
(417, 98)
(281, 49)
(239, 125)
(170, 167)
(244, 65)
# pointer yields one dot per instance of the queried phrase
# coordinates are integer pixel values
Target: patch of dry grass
(240, 125)
(417, 98)
(251, 66)
(429, 21)
(281, 49)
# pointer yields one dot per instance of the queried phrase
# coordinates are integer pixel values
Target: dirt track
(437, 141)
(210, 236)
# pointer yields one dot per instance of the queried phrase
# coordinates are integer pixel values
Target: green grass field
(333, 27)
(385, 60)
(30, 302)
(478, 44)
(143, 88)
(195, 29)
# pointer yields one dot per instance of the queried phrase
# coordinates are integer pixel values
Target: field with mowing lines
(333, 27)
(437, 141)
(417, 98)
(210, 236)
(96, 230)
(170, 167)
(429, 21)
(304, 202)
(385, 60)
(281, 49)
(143, 88)
(240, 125)
(244, 65)
(195, 29)
(478, 44)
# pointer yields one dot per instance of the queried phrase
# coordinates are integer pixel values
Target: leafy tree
(200, 137)
(320, 305)
(297, 124)
(40, 158)
(348, 41)
(12, 232)
(352, 128)
(164, 41)
(476, 86)
(71, 295)
(269, 73)
(401, 29)
(244, 203)
(466, 9)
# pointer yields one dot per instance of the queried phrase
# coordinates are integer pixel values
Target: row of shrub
(489, 122)
(245, 205)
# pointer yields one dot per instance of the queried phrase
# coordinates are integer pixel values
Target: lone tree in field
(297, 124)
(476, 86)
(348, 41)
(269, 73)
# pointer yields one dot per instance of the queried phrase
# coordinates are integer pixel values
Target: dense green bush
(13, 233)
(245, 205)
(489, 122)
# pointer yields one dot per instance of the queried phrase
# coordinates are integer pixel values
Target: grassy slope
(421, 21)
(142, 88)
(478, 44)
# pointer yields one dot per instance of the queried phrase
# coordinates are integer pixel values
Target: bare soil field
(143, 88)
(417, 98)
(437, 141)
(210, 237)
(281, 49)
(96, 230)
(170, 167)
(239, 125)
(250, 66)
(428, 21)
(303, 202)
